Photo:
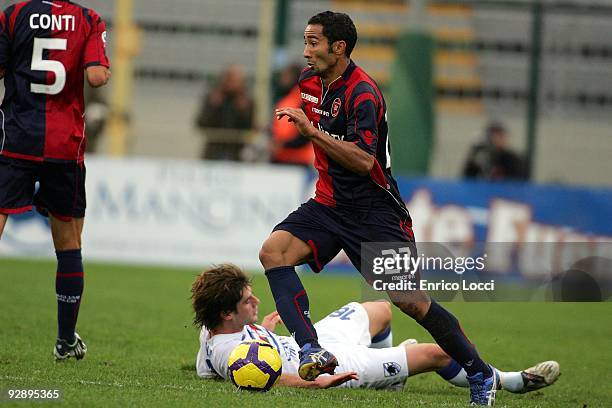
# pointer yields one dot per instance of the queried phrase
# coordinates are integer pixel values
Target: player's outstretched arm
(97, 75)
(347, 154)
(322, 382)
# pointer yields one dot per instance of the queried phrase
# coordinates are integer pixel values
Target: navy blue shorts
(328, 230)
(61, 189)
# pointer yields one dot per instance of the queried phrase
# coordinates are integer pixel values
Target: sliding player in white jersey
(358, 334)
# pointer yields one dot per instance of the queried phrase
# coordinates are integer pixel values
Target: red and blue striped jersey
(45, 47)
(351, 109)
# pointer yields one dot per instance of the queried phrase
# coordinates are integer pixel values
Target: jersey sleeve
(362, 118)
(95, 46)
(204, 366)
(4, 41)
(219, 356)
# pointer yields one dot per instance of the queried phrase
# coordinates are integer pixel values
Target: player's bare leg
(414, 303)
(3, 218)
(279, 255)
(283, 249)
(379, 317)
(447, 332)
(68, 286)
(66, 234)
(422, 358)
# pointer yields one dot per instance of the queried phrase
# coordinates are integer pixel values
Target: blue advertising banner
(447, 211)
(538, 233)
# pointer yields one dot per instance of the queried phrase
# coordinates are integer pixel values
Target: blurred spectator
(287, 145)
(491, 159)
(225, 114)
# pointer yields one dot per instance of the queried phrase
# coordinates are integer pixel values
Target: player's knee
(380, 312)
(66, 240)
(438, 356)
(385, 312)
(66, 234)
(68, 244)
(270, 256)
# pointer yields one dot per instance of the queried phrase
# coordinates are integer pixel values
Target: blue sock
(450, 371)
(68, 289)
(292, 304)
(446, 331)
(383, 339)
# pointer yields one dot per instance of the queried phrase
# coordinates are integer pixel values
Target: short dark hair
(337, 27)
(217, 290)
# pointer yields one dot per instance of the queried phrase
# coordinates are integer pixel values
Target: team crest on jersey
(391, 369)
(336, 107)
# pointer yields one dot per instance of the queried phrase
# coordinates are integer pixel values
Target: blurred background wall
(481, 72)
(515, 94)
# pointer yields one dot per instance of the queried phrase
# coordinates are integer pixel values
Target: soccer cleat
(63, 350)
(482, 390)
(539, 376)
(315, 361)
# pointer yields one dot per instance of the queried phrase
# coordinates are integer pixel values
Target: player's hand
(270, 321)
(328, 381)
(299, 119)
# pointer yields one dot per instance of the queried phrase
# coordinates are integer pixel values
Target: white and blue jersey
(214, 351)
(344, 332)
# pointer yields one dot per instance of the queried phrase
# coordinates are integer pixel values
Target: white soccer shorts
(345, 333)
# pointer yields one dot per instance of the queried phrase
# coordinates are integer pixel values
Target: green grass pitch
(137, 324)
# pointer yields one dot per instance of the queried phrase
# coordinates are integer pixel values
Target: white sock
(460, 380)
(383, 339)
(510, 380)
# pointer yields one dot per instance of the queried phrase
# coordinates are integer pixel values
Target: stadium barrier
(177, 212)
(172, 212)
(532, 242)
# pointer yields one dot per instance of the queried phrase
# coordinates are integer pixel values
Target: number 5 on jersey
(39, 64)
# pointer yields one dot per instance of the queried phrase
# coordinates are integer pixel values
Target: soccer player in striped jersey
(47, 47)
(357, 200)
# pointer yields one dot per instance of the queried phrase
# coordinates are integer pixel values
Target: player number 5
(39, 64)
